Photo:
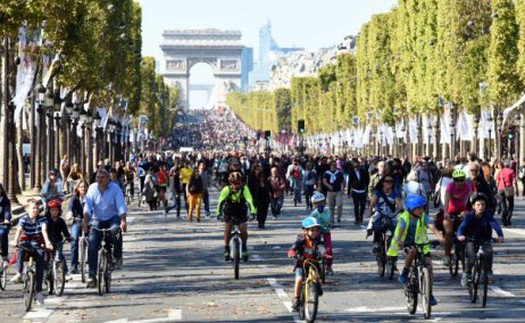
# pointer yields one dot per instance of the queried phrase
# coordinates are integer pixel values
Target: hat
(53, 172)
(54, 203)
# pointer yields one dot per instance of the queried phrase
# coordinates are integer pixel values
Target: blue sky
(301, 23)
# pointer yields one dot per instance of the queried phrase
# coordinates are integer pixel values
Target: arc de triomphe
(222, 50)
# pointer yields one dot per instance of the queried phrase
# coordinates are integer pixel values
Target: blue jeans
(174, 206)
(76, 230)
(60, 252)
(276, 205)
(296, 185)
(4, 233)
(206, 201)
(95, 238)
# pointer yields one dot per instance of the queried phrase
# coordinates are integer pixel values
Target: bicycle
(105, 262)
(457, 258)
(129, 197)
(309, 296)
(29, 277)
(384, 261)
(3, 275)
(236, 248)
(479, 275)
(56, 273)
(419, 282)
(83, 246)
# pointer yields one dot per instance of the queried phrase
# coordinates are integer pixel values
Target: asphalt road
(174, 272)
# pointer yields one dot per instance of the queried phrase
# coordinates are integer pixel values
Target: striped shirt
(32, 228)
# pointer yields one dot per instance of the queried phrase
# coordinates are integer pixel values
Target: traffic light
(267, 134)
(300, 126)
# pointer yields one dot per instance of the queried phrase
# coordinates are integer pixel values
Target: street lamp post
(476, 125)
(11, 134)
(50, 154)
(83, 144)
(36, 155)
(452, 126)
(429, 139)
(500, 130)
(490, 121)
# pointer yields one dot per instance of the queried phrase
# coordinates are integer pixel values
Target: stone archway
(222, 50)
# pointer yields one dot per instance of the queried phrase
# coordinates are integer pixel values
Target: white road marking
(366, 309)
(38, 312)
(130, 220)
(516, 231)
(500, 291)
(175, 314)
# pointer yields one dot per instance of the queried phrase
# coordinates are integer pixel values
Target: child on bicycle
(323, 217)
(31, 233)
(232, 205)
(308, 245)
(57, 229)
(478, 225)
(412, 228)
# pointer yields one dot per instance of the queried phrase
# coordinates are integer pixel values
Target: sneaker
(446, 261)
(39, 299)
(68, 277)
(165, 213)
(433, 301)
(207, 214)
(464, 279)
(295, 304)
(329, 271)
(245, 255)
(92, 282)
(16, 278)
(404, 276)
(227, 255)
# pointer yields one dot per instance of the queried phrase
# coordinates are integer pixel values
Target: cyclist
(478, 225)
(53, 188)
(32, 234)
(232, 204)
(105, 208)
(74, 214)
(457, 195)
(308, 245)
(322, 215)
(412, 228)
(129, 175)
(5, 218)
(385, 203)
(57, 229)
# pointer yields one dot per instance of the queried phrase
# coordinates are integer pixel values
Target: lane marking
(500, 291)
(366, 309)
(175, 314)
(516, 231)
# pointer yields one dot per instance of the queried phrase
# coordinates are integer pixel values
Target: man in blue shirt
(105, 208)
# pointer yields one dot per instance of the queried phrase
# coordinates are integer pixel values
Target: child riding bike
(478, 225)
(232, 204)
(57, 229)
(32, 234)
(308, 245)
(412, 228)
(322, 215)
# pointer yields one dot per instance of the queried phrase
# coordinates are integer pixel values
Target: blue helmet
(414, 201)
(310, 222)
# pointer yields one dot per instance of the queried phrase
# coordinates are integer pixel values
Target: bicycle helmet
(235, 178)
(54, 203)
(415, 201)
(318, 197)
(459, 173)
(478, 197)
(310, 222)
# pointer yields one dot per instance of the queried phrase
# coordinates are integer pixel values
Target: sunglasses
(388, 181)
(459, 179)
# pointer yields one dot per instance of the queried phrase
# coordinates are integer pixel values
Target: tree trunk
(20, 151)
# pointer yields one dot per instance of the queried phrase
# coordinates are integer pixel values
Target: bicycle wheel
(3, 276)
(236, 257)
(425, 291)
(473, 283)
(302, 297)
(322, 270)
(83, 250)
(381, 258)
(107, 274)
(101, 268)
(484, 281)
(411, 292)
(311, 300)
(59, 277)
(29, 290)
